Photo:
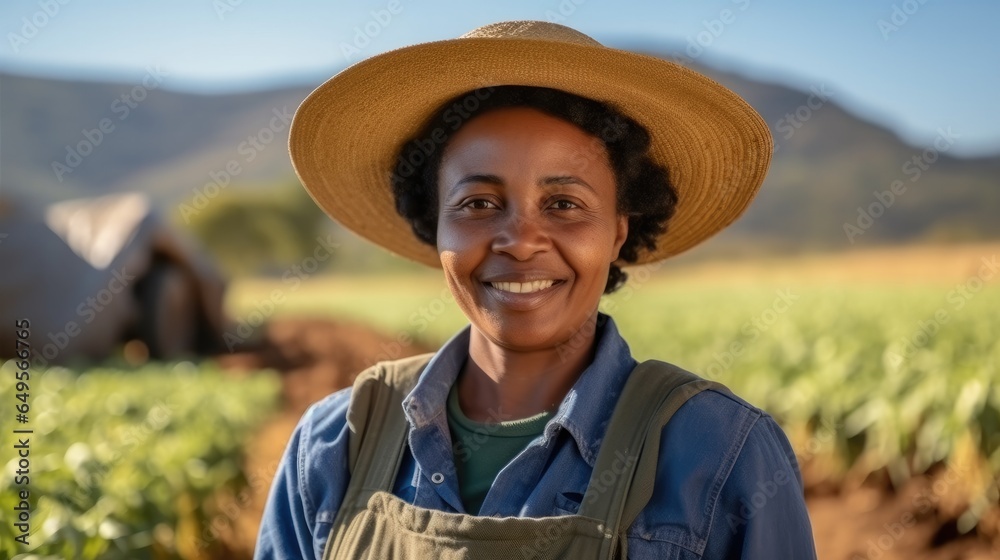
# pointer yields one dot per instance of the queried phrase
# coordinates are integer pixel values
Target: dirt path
(318, 357)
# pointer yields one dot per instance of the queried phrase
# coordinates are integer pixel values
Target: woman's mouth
(522, 296)
(523, 287)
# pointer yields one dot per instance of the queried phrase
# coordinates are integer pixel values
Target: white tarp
(73, 269)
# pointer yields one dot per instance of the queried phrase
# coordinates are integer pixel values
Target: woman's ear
(621, 234)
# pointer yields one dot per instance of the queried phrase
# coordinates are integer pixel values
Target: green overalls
(373, 523)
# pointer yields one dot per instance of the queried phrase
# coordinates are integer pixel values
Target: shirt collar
(429, 396)
(584, 412)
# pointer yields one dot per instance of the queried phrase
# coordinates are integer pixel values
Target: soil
(316, 357)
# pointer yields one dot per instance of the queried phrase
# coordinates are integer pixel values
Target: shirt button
(437, 478)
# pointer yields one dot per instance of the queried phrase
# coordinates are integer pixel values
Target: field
(883, 368)
(128, 464)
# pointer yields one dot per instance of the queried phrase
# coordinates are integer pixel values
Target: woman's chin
(530, 334)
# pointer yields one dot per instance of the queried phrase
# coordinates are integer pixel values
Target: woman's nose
(521, 234)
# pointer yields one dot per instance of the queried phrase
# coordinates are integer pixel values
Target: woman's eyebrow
(544, 182)
(480, 178)
(565, 180)
(473, 179)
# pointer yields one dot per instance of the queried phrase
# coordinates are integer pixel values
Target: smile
(523, 287)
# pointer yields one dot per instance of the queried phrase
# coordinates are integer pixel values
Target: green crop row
(865, 379)
(124, 463)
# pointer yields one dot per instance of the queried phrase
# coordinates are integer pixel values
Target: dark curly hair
(645, 194)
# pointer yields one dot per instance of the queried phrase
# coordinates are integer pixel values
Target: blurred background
(174, 275)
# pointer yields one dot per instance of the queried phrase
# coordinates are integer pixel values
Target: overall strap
(378, 429)
(625, 471)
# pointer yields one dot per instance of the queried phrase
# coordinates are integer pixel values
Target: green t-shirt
(483, 449)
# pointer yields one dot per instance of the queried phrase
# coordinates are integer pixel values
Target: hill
(837, 180)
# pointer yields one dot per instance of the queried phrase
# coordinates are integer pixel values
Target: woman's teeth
(522, 287)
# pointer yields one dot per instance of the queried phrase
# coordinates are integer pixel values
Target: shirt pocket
(567, 503)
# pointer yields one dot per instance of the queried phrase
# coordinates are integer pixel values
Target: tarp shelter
(90, 274)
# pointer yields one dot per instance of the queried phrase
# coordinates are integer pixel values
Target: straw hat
(345, 137)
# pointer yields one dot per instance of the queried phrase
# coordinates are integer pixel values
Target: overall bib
(372, 523)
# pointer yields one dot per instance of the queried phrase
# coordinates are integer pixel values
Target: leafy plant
(124, 463)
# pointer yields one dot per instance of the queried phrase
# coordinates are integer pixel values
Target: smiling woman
(530, 164)
(518, 211)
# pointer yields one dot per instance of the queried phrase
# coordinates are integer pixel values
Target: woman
(538, 162)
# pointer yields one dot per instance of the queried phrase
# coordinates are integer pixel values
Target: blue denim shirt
(728, 484)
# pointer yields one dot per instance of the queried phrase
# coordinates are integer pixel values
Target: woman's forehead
(525, 135)
(518, 118)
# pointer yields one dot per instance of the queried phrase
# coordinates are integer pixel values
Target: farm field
(883, 367)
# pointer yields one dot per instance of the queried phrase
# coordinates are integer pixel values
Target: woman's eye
(479, 204)
(563, 205)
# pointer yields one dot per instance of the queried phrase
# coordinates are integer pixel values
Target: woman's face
(527, 226)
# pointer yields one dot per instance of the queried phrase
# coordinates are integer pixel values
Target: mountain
(160, 142)
(829, 162)
(839, 180)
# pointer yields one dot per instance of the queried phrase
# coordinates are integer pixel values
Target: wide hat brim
(346, 135)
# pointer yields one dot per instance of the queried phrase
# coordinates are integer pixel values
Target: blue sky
(931, 64)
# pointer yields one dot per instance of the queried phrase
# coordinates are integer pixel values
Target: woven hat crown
(543, 30)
